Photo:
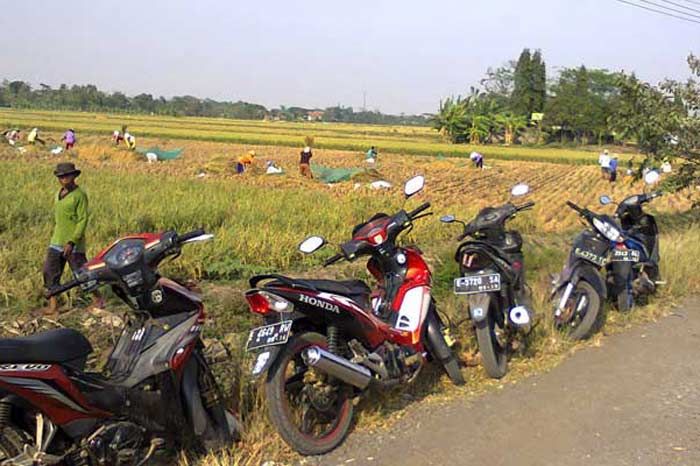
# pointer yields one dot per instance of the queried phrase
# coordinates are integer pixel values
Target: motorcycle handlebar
(189, 235)
(56, 290)
(575, 207)
(419, 209)
(525, 206)
(332, 260)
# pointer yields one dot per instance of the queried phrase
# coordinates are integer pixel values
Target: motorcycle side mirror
(414, 185)
(519, 190)
(605, 200)
(447, 219)
(652, 177)
(312, 244)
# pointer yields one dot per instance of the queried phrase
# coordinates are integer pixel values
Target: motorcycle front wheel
(312, 415)
(492, 345)
(583, 314)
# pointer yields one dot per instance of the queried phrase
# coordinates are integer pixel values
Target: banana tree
(480, 128)
(511, 125)
(451, 119)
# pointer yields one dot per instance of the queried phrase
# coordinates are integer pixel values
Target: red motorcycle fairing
(47, 387)
(326, 305)
(149, 239)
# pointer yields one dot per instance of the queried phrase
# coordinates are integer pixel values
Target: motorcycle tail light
(258, 303)
(261, 302)
(475, 261)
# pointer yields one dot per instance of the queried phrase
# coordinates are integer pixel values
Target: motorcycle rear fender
(479, 305)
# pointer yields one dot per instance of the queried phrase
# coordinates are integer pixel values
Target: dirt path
(633, 401)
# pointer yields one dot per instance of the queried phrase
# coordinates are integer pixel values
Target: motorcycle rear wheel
(284, 392)
(12, 442)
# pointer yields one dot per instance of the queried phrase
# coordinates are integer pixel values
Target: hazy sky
(405, 54)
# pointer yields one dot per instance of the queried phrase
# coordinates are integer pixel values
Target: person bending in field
(12, 135)
(68, 240)
(245, 161)
(69, 139)
(478, 160)
(130, 141)
(33, 137)
(305, 162)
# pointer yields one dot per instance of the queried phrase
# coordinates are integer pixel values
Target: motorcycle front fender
(479, 305)
(581, 270)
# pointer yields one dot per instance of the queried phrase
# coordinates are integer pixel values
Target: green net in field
(334, 175)
(161, 154)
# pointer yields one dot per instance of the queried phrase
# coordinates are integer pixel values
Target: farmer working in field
(130, 141)
(478, 160)
(33, 137)
(244, 161)
(604, 162)
(305, 162)
(613, 170)
(12, 135)
(69, 139)
(371, 155)
(68, 240)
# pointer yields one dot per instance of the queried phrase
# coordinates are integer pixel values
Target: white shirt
(604, 160)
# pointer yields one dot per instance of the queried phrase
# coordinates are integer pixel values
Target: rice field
(334, 136)
(258, 220)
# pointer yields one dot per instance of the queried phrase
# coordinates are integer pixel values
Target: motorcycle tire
(594, 318)
(280, 411)
(494, 356)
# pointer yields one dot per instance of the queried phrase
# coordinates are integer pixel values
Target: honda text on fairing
(633, 272)
(156, 390)
(492, 278)
(326, 341)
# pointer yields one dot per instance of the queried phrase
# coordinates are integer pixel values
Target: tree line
(20, 94)
(518, 103)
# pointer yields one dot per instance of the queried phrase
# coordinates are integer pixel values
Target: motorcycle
(634, 269)
(325, 342)
(155, 390)
(492, 278)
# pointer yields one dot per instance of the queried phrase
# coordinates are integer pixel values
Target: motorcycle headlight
(606, 229)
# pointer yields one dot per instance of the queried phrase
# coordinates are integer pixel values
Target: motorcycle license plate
(472, 284)
(269, 335)
(625, 255)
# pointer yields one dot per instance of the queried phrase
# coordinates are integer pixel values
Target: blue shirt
(613, 165)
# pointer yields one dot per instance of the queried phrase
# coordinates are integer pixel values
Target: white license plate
(625, 255)
(477, 284)
(269, 335)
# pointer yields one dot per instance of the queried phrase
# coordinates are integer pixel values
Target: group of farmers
(14, 136)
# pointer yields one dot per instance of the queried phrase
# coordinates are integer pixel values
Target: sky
(403, 55)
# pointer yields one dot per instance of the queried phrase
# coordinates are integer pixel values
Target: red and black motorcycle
(156, 390)
(327, 341)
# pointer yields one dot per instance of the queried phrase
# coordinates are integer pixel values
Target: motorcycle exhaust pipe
(340, 368)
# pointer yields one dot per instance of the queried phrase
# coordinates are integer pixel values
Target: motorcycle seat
(63, 345)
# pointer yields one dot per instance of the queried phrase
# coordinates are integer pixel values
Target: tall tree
(529, 84)
(665, 122)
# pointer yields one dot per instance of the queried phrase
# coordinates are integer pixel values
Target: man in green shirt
(68, 240)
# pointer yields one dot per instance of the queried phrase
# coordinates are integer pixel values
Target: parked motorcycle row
(322, 345)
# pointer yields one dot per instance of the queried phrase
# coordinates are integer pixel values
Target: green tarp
(334, 175)
(161, 154)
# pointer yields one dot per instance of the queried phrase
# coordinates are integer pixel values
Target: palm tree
(511, 124)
